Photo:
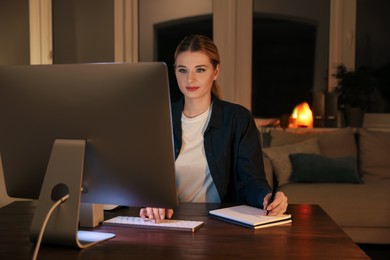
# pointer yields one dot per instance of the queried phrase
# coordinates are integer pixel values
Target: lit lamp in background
(302, 116)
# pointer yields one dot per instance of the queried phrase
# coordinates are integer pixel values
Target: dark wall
(14, 32)
(372, 33)
(83, 31)
(373, 49)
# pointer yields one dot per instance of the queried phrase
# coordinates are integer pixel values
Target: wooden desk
(312, 235)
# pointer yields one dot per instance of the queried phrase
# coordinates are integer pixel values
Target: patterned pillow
(280, 159)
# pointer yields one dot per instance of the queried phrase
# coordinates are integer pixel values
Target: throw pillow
(317, 168)
(374, 153)
(280, 160)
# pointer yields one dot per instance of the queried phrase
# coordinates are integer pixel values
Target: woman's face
(195, 74)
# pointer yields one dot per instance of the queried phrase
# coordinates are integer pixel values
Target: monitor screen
(121, 110)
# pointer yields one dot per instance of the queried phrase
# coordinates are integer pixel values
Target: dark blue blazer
(233, 152)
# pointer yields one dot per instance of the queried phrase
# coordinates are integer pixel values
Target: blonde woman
(217, 149)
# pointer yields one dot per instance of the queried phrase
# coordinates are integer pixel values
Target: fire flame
(302, 116)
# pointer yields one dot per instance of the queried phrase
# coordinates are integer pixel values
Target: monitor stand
(64, 176)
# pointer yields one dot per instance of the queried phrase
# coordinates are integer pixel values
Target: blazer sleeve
(251, 177)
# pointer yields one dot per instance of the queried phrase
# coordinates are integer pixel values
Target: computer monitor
(103, 128)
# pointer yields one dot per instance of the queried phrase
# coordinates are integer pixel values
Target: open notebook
(249, 216)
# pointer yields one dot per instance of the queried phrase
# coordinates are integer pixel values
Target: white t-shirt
(193, 178)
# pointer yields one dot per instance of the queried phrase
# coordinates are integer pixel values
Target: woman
(217, 149)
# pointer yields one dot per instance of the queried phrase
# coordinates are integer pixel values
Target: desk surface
(312, 235)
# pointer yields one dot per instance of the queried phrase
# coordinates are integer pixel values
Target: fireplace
(302, 116)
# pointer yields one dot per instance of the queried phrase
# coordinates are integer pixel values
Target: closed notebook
(249, 216)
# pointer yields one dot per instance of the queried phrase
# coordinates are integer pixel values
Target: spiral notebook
(250, 217)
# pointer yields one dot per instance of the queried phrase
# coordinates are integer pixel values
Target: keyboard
(172, 224)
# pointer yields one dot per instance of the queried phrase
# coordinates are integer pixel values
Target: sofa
(346, 171)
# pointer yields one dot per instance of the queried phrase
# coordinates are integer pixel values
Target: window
(290, 54)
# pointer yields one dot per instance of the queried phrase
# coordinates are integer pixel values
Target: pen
(274, 190)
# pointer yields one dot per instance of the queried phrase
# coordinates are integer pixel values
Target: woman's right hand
(157, 214)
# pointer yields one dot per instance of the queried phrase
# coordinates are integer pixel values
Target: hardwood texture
(311, 235)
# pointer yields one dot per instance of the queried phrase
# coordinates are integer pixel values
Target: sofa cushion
(280, 160)
(352, 205)
(337, 143)
(317, 168)
(268, 170)
(374, 153)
